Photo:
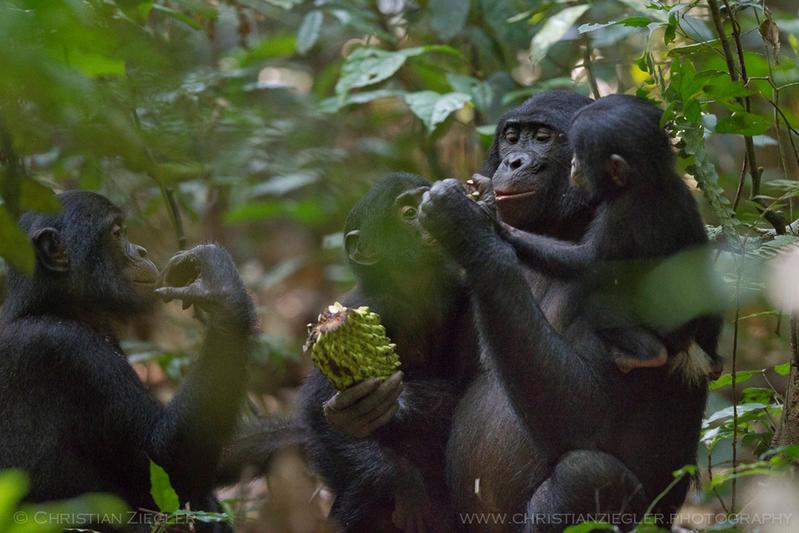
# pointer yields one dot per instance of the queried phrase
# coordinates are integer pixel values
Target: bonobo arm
(553, 257)
(558, 394)
(190, 434)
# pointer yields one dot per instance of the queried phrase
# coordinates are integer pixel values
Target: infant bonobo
(623, 159)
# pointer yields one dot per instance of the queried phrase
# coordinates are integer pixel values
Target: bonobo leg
(586, 485)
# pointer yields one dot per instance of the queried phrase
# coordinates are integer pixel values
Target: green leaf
(447, 17)
(308, 32)
(13, 487)
(307, 212)
(553, 31)
(433, 108)
(726, 379)
(368, 65)
(587, 527)
(783, 369)
(727, 412)
(36, 197)
(482, 92)
(15, 246)
(743, 123)
(161, 490)
(331, 105)
(631, 22)
(177, 15)
(93, 64)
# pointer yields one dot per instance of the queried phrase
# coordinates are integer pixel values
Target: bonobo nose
(140, 250)
(516, 160)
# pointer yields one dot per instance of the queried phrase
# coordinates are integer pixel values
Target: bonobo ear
(619, 170)
(50, 250)
(356, 251)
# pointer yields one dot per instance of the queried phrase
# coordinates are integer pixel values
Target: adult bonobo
(394, 479)
(73, 413)
(553, 431)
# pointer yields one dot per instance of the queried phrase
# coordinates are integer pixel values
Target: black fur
(424, 306)
(651, 215)
(553, 426)
(73, 413)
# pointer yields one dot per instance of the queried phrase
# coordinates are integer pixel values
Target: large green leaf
(743, 123)
(433, 108)
(308, 32)
(447, 17)
(161, 490)
(553, 31)
(15, 246)
(368, 65)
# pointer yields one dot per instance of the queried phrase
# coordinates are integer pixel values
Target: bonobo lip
(149, 281)
(510, 195)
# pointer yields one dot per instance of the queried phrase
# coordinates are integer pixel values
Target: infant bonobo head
(84, 262)
(618, 145)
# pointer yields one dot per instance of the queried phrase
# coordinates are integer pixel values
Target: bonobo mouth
(148, 281)
(511, 195)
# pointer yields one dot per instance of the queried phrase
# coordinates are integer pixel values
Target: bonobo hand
(480, 189)
(206, 277)
(363, 408)
(452, 218)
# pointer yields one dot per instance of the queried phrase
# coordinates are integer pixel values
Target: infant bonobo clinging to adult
(623, 160)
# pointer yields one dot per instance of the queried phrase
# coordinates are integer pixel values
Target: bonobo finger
(388, 389)
(188, 293)
(381, 420)
(346, 398)
(390, 400)
(179, 271)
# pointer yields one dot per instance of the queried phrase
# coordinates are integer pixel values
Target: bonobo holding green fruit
(75, 415)
(392, 478)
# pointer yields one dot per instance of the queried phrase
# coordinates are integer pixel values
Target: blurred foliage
(257, 123)
(55, 516)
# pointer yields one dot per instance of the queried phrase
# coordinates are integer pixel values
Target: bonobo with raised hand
(551, 430)
(76, 417)
(379, 445)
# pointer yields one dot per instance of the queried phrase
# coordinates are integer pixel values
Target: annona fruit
(350, 345)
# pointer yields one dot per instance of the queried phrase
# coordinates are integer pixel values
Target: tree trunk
(788, 432)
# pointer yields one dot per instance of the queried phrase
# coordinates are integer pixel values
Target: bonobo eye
(408, 212)
(118, 231)
(543, 134)
(512, 135)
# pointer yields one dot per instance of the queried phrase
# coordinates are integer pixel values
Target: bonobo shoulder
(48, 337)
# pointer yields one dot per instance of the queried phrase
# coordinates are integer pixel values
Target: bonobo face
(383, 237)
(406, 211)
(529, 166)
(534, 159)
(134, 265)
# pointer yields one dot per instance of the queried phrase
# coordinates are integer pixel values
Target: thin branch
(589, 72)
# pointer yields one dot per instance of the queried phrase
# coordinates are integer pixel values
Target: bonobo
(623, 159)
(395, 478)
(552, 432)
(75, 415)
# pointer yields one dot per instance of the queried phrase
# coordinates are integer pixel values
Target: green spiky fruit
(350, 345)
